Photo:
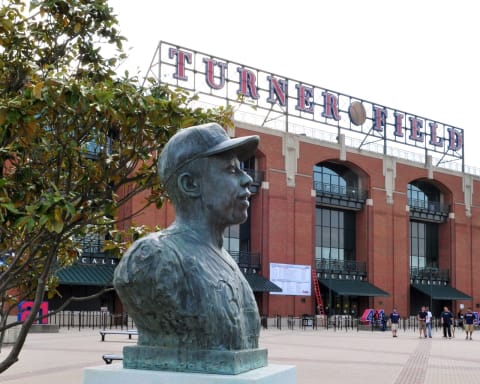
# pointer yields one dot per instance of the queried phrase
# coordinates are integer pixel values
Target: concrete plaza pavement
(320, 356)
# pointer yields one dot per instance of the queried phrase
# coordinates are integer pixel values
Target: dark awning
(353, 287)
(87, 274)
(441, 292)
(260, 284)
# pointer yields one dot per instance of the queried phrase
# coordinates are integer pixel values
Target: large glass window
(423, 244)
(236, 238)
(423, 234)
(231, 238)
(334, 234)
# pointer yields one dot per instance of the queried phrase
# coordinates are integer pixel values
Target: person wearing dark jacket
(446, 317)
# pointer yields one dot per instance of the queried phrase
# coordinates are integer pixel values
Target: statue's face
(225, 189)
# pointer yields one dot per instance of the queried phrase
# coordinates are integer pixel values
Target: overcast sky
(418, 56)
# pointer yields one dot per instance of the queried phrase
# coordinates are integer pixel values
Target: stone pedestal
(116, 374)
(224, 362)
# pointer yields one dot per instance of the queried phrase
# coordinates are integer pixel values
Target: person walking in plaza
(422, 317)
(460, 318)
(468, 319)
(428, 322)
(446, 317)
(394, 321)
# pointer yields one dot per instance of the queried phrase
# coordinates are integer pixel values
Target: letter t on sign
(182, 57)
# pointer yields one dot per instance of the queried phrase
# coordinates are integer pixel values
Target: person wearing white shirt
(428, 322)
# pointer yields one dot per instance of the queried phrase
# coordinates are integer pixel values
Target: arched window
(423, 195)
(335, 179)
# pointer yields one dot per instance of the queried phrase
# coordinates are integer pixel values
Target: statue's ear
(188, 184)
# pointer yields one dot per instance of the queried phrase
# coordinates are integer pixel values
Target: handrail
(350, 192)
(430, 206)
(341, 266)
(246, 259)
(429, 274)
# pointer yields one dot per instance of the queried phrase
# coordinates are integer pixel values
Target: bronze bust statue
(192, 306)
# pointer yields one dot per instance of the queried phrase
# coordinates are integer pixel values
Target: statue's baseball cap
(189, 144)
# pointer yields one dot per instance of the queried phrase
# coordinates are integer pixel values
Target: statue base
(116, 374)
(225, 362)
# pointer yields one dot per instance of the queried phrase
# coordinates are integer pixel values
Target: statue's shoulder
(154, 241)
(165, 242)
(153, 252)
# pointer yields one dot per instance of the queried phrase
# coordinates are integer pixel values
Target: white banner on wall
(292, 278)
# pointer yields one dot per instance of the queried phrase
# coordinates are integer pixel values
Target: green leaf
(11, 208)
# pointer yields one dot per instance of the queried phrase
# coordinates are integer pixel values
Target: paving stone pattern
(321, 356)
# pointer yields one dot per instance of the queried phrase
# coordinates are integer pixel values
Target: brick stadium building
(380, 232)
(372, 205)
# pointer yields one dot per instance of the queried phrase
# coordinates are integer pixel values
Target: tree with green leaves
(77, 142)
